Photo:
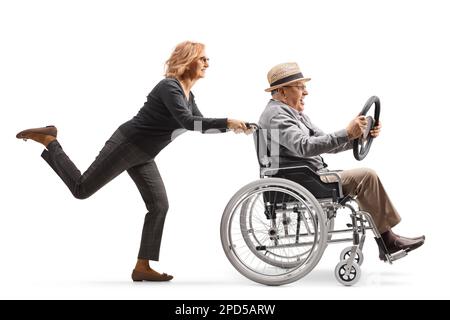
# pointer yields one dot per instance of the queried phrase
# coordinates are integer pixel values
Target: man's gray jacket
(292, 138)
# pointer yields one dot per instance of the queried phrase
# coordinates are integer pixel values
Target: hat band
(287, 79)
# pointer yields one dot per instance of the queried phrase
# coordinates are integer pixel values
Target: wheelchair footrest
(398, 255)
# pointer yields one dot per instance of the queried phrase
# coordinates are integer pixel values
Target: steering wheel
(362, 145)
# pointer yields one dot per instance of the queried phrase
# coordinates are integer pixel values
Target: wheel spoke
(278, 253)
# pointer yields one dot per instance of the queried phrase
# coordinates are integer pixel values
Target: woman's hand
(238, 126)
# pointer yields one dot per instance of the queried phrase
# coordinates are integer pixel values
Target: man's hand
(375, 132)
(356, 127)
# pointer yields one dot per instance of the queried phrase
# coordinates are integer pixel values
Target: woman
(134, 145)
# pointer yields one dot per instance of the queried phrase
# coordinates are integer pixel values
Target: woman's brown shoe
(150, 276)
(43, 135)
(48, 130)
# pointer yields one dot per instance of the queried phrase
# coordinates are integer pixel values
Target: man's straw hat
(283, 74)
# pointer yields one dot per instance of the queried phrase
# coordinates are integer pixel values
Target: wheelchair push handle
(251, 125)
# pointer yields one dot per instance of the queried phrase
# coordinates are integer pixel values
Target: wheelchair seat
(306, 177)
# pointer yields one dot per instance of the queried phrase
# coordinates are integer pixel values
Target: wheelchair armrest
(331, 173)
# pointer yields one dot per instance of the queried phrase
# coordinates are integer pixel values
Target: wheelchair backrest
(262, 151)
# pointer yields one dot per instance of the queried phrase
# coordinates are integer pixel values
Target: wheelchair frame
(321, 200)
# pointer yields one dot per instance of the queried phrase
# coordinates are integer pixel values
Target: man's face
(295, 94)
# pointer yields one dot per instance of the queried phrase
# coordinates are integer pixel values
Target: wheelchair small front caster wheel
(347, 276)
(345, 254)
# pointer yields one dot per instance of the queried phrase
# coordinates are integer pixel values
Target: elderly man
(299, 141)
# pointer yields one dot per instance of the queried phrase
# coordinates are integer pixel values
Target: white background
(87, 66)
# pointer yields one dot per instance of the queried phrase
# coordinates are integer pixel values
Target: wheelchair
(274, 230)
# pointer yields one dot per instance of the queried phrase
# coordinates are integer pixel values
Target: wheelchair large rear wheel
(273, 231)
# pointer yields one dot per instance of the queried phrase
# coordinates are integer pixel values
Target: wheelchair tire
(279, 247)
(347, 279)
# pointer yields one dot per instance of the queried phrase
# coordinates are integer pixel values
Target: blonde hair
(184, 54)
